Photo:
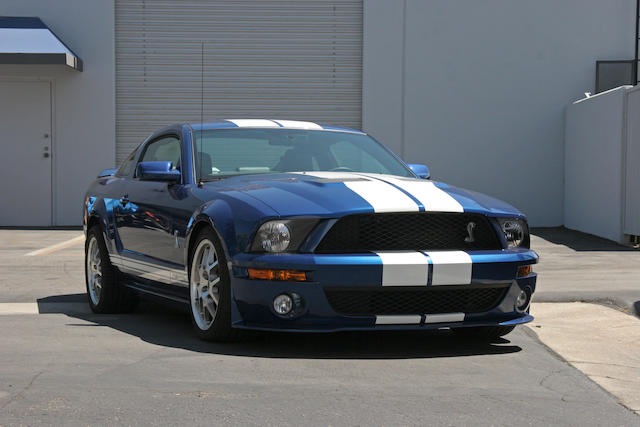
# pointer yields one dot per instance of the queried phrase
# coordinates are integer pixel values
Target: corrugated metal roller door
(263, 58)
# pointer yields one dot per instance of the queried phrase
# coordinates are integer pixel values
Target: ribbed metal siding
(290, 59)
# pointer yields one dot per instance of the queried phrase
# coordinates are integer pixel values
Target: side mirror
(421, 170)
(157, 171)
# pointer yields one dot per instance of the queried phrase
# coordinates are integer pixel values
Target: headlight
(282, 235)
(516, 232)
(273, 236)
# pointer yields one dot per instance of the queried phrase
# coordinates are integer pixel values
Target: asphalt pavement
(581, 267)
(67, 366)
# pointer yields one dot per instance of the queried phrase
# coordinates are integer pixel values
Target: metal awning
(27, 40)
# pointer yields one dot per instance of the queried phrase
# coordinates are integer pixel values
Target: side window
(165, 149)
(127, 167)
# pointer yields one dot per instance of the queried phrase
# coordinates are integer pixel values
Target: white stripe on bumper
(404, 268)
(444, 318)
(399, 320)
(416, 319)
(410, 268)
(450, 267)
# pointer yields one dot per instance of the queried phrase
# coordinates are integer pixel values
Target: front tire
(105, 292)
(210, 289)
(484, 333)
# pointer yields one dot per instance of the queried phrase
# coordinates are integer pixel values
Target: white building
(476, 90)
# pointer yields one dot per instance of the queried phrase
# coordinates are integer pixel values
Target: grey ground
(75, 368)
(580, 267)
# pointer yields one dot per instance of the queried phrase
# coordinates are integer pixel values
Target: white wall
(631, 154)
(594, 139)
(83, 102)
(477, 90)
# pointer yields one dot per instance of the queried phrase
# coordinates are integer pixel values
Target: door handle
(124, 200)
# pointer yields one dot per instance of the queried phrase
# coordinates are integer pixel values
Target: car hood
(335, 194)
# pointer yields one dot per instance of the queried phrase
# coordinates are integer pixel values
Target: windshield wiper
(217, 178)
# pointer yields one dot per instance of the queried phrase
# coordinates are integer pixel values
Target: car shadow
(578, 241)
(169, 325)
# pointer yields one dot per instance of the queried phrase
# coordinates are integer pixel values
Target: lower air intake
(425, 300)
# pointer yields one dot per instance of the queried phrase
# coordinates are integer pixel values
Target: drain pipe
(635, 63)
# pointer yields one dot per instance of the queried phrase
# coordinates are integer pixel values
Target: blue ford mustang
(293, 226)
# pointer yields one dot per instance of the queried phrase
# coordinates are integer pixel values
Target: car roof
(266, 124)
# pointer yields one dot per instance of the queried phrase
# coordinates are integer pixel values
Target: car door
(152, 218)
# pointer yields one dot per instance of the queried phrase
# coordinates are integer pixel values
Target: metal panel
(632, 165)
(291, 59)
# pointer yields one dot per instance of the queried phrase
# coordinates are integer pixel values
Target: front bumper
(252, 306)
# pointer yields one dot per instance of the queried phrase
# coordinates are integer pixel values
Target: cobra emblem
(470, 238)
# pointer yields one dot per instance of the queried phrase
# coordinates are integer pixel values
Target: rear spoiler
(107, 172)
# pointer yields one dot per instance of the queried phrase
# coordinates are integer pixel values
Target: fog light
(523, 300)
(283, 304)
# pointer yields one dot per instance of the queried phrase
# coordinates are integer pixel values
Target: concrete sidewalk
(580, 267)
(601, 342)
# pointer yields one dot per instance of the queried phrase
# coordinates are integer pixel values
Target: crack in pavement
(20, 394)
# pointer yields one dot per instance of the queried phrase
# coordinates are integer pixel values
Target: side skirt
(156, 289)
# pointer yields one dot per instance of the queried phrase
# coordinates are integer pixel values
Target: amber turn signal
(285, 275)
(524, 271)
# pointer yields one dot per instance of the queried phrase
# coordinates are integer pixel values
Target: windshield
(224, 152)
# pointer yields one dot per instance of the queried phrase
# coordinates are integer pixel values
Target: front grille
(426, 300)
(409, 231)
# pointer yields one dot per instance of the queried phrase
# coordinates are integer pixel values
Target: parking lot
(577, 364)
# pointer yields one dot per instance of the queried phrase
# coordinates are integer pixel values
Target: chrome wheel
(205, 278)
(94, 270)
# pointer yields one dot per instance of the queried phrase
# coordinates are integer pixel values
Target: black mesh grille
(409, 231)
(430, 300)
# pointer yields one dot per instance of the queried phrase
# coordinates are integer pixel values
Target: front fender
(102, 211)
(218, 215)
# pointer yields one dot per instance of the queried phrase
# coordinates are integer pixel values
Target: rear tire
(210, 289)
(105, 292)
(483, 333)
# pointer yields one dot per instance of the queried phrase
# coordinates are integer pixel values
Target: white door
(25, 141)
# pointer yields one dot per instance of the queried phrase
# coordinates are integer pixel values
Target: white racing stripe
(444, 317)
(432, 198)
(404, 268)
(298, 125)
(254, 123)
(381, 196)
(399, 320)
(56, 247)
(333, 175)
(450, 267)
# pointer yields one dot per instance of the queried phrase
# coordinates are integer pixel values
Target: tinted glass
(127, 167)
(164, 150)
(224, 152)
